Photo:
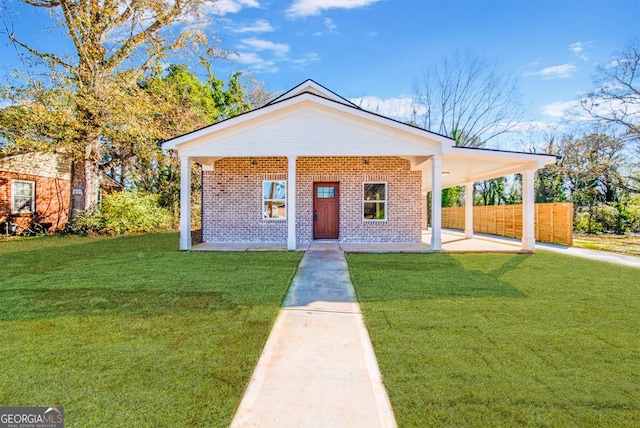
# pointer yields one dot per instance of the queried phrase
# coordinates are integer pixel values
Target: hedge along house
(312, 165)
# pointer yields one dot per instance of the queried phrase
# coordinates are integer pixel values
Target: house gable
(308, 125)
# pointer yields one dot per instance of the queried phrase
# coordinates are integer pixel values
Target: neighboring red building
(35, 188)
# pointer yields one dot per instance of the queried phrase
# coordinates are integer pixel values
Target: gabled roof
(312, 87)
(310, 120)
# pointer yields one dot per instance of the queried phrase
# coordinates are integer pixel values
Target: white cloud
(563, 71)
(301, 8)
(331, 26)
(260, 26)
(573, 110)
(532, 126)
(254, 61)
(262, 45)
(561, 109)
(233, 6)
(578, 49)
(399, 108)
(301, 63)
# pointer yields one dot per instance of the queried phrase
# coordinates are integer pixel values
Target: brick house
(312, 165)
(36, 188)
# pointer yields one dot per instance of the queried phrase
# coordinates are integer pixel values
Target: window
(23, 197)
(375, 201)
(326, 192)
(274, 199)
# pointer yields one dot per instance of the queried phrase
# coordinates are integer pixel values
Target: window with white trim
(274, 200)
(23, 197)
(375, 201)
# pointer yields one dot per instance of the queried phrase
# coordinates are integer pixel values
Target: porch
(452, 242)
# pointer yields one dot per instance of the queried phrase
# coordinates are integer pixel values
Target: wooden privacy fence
(553, 222)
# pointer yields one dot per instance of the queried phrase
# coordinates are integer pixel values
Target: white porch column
(185, 203)
(436, 202)
(291, 203)
(468, 210)
(528, 207)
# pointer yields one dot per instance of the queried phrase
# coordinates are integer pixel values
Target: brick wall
(232, 199)
(52, 200)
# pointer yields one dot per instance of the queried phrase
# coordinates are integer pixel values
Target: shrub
(585, 223)
(122, 213)
(608, 218)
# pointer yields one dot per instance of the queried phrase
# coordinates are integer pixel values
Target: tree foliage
(593, 174)
(92, 95)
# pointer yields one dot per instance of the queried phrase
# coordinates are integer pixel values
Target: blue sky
(377, 48)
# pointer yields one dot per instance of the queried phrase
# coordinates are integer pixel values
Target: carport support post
(291, 203)
(528, 201)
(468, 210)
(436, 202)
(185, 203)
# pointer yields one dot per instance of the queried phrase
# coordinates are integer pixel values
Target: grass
(131, 331)
(504, 339)
(629, 245)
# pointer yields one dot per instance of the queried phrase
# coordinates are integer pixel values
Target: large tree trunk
(92, 160)
(86, 177)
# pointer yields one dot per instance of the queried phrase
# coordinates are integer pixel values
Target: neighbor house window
(23, 197)
(375, 201)
(274, 199)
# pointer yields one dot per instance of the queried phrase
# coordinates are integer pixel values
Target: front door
(326, 210)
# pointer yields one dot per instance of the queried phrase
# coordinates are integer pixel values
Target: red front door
(326, 210)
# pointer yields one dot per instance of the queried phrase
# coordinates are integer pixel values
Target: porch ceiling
(473, 167)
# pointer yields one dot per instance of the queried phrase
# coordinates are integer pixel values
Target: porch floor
(452, 241)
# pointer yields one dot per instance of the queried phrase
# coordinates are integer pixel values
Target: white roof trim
(541, 159)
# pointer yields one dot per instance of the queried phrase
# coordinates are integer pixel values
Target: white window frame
(385, 200)
(32, 207)
(263, 200)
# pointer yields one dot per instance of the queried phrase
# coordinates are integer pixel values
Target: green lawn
(629, 244)
(128, 332)
(504, 340)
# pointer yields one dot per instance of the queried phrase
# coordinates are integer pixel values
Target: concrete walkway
(318, 368)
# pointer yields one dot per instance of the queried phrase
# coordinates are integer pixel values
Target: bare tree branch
(43, 55)
(467, 98)
(617, 100)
